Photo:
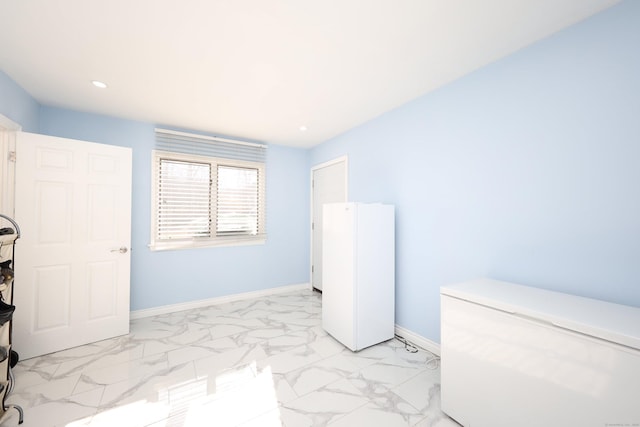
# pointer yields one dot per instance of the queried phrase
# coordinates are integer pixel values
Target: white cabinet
(513, 355)
(358, 295)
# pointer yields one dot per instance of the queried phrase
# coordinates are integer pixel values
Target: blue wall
(17, 104)
(527, 170)
(170, 277)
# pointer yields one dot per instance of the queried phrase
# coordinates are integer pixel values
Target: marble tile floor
(262, 362)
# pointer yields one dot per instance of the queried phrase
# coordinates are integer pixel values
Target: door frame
(8, 129)
(342, 159)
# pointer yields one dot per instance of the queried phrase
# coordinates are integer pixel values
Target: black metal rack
(8, 358)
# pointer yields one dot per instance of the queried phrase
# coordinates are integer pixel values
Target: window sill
(179, 245)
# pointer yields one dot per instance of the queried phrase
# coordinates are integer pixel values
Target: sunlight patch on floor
(235, 397)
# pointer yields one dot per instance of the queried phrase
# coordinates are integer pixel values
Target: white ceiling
(260, 69)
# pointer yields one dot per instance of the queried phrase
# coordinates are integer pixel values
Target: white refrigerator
(358, 287)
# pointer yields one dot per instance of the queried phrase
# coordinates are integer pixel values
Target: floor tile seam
(152, 353)
(338, 414)
(203, 346)
(208, 338)
(266, 411)
(33, 363)
(286, 348)
(357, 367)
(74, 420)
(344, 414)
(103, 409)
(20, 386)
(284, 376)
(166, 331)
(373, 401)
(429, 410)
(55, 358)
(435, 417)
(285, 332)
(66, 400)
(98, 345)
(88, 370)
(95, 387)
(418, 410)
(105, 385)
(245, 331)
(323, 387)
(34, 389)
(427, 362)
(234, 314)
(99, 359)
(420, 372)
(146, 378)
(193, 360)
(388, 361)
(420, 421)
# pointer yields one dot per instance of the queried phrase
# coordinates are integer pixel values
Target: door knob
(122, 250)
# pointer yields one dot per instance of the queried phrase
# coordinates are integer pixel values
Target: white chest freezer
(519, 356)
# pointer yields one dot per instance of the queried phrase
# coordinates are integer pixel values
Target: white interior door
(72, 269)
(329, 185)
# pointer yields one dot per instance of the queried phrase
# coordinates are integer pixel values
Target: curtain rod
(210, 138)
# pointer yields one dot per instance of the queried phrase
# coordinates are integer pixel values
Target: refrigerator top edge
(358, 204)
(600, 319)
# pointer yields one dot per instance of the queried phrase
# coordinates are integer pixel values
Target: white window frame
(213, 240)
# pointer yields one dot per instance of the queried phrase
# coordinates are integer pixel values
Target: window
(201, 201)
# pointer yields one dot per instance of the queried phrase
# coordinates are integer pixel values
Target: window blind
(237, 201)
(184, 192)
(203, 145)
(207, 191)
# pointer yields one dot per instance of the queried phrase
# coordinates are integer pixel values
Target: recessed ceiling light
(99, 84)
(303, 128)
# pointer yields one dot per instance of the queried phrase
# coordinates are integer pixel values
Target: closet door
(328, 185)
(73, 204)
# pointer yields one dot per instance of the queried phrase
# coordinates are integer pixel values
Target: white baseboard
(418, 340)
(165, 309)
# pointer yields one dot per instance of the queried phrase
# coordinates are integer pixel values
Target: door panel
(51, 285)
(329, 186)
(53, 212)
(101, 214)
(102, 296)
(73, 204)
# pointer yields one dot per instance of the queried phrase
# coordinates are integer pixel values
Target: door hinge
(313, 225)
(312, 268)
(12, 156)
